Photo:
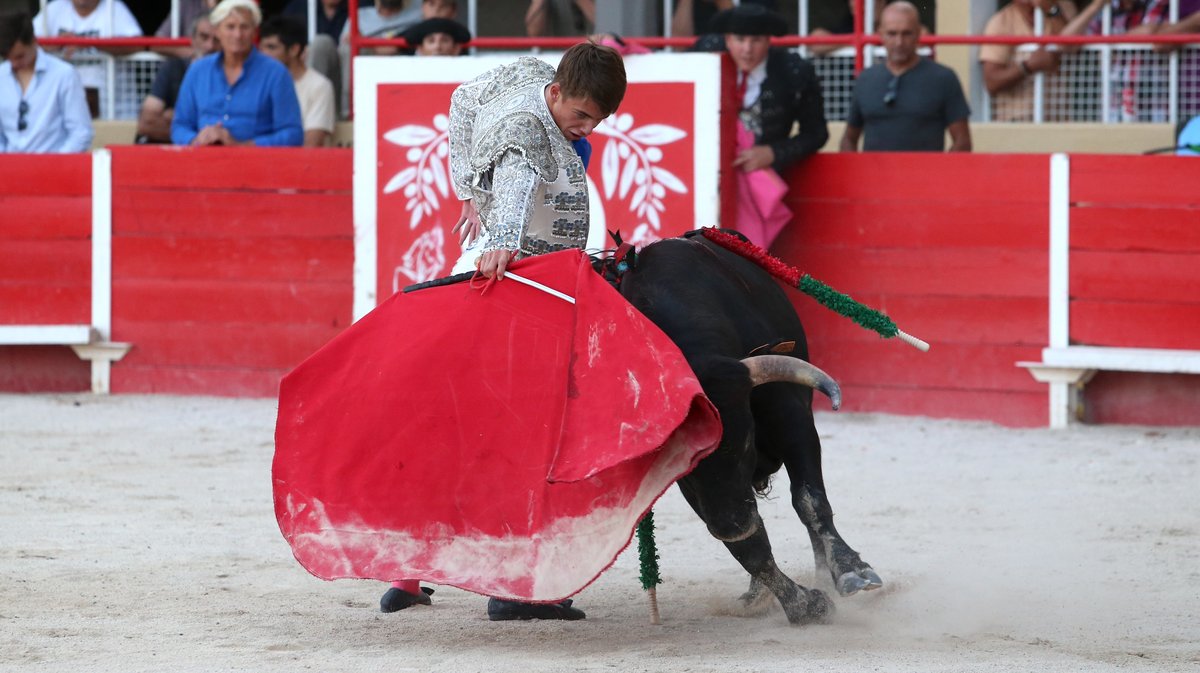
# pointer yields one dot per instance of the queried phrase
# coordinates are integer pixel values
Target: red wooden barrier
(959, 262)
(45, 264)
(45, 241)
(1135, 279)
(954, 248)
(230, 266)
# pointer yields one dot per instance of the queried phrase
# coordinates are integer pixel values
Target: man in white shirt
(42, 107)
(284, 39)
(90, 18)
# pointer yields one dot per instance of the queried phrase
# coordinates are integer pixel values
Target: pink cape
(506, 442)
(761, 214)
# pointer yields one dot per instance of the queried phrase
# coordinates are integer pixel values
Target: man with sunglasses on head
(907, 103)
(42, 104)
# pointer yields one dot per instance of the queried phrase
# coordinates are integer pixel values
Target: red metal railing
(859, 40)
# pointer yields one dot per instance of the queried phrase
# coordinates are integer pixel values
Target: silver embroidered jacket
(508, 155)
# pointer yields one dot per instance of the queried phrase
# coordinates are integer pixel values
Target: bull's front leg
(785, 430)
(849, 573)
(720, 491)
(736, 523)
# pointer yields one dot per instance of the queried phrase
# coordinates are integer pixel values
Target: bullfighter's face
(575, 117)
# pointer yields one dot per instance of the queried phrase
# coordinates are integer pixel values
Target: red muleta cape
(504, 442)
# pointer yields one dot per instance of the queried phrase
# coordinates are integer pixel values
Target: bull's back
(695, 290)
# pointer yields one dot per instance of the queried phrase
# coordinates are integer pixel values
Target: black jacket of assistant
(791, 93)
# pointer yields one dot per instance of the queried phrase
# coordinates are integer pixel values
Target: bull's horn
(783, 368)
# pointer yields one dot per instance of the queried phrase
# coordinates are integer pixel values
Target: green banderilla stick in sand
(648, 560)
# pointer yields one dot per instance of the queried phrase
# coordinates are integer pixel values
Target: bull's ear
(784, 347)
(776, 347)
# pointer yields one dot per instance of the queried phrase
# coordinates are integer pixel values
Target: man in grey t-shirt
(907, 103)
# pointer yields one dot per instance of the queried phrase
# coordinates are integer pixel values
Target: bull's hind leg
(785, 429)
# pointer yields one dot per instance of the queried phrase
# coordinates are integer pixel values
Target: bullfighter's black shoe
(500, 610)
(397, 599)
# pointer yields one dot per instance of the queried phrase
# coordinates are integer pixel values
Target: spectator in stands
(42, 105)
(331, 16)
(89, 18)
(284, 39)
(1139, 85)
(388, 19)
(776, 90)
(322, 53)
(712, 39)
(189, 11)
(1008, 73)
(438, 37)
(560, 18)
(691, 15)
(237, 96)
(154, 121)
(907, 103)
(844, 25)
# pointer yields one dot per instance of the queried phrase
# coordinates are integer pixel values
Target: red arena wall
(954, 249)
(45, 264)
(229, 266)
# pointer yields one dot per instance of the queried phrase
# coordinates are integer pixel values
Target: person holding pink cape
(776, 90)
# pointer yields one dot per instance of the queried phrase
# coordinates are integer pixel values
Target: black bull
(718, 307)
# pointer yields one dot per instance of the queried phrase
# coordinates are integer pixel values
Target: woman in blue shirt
(237, 96)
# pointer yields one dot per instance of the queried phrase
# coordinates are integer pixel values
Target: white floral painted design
(427, 176)
(423, 261)
(628, 163)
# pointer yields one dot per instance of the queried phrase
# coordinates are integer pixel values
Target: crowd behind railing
(1126, 60)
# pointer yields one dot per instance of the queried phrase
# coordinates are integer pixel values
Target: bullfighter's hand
(468, 223)
(493, 263)
(754, 158)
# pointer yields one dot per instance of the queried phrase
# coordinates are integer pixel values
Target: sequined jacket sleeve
(464, 103)
(514, 188)
(792, 94)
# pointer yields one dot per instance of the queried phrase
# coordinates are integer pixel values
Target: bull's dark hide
(719, 307)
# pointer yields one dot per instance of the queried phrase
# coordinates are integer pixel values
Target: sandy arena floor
(137, 534)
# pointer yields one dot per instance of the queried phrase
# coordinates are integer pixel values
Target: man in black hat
(438, 37)
(777, 89)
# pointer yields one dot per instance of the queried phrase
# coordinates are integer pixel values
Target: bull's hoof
(395, 599)
(816, 608)
(757, 600)
(853, 582)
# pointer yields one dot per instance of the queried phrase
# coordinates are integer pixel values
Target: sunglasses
(889, 96)
(22, 109)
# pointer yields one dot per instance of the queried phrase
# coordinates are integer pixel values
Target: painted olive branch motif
(428, 152)
(629, 159)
